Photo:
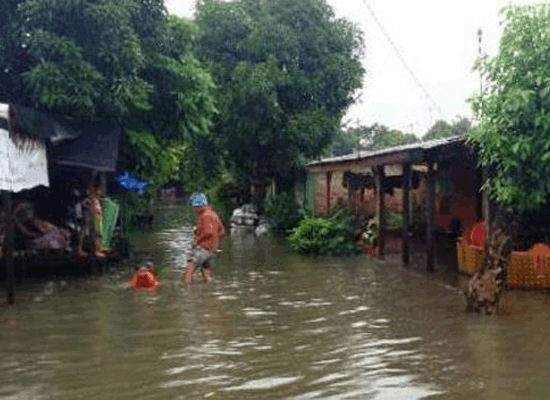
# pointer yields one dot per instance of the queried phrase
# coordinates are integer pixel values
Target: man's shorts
(200, 257)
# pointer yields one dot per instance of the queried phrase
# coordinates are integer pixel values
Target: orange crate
(469, 257)
(459, 254)
(523, 274)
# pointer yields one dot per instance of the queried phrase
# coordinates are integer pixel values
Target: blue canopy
(130, 183)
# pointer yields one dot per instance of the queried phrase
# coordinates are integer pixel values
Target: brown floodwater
(272, 325)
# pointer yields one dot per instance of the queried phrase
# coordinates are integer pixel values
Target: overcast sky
(438, 41)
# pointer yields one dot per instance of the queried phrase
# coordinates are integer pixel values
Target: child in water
(145, 277)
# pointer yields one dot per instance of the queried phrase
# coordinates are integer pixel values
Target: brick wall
(339, 195)
(457, 200)
(456, 185)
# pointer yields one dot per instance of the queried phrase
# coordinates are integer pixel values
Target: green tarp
(110, 216)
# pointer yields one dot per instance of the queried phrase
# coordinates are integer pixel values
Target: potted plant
(370, 237)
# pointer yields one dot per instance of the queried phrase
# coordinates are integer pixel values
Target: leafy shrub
(282, 212)
(221, 203)
(395, 221)
(222, 195)
(324, 236)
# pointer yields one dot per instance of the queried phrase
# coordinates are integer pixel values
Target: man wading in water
(207, 234)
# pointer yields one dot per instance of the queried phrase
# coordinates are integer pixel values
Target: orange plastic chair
(474, 235)
(540, 252)
(144, 279)
(477, 236)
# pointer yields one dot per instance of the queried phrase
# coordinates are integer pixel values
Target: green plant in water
(395, 221)
(324, 236)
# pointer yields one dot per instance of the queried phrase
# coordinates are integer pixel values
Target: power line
(402, 59)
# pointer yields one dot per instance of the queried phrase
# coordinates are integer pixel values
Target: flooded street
(272, 325)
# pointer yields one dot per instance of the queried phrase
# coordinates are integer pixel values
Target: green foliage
(183, 103)
(441, 129)
(287, 71)
(394, 220)
(282, 212)
(379, 137)
(156, 163)
(462, 126)
(513, 136)
(223, 193)
(320, 236)
(345, 141)
(80, 58)
(179, 122)
(120, 59)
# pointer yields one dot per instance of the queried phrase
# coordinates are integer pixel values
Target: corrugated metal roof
(362, 155)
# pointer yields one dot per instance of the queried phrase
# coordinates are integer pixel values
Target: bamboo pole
(381, 208)
(91, 227)
(406, 212)
(10, 272)
(430, 204)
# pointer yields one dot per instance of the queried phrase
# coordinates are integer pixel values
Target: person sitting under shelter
(39, 234)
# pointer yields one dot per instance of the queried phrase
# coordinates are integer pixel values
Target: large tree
(286, 71)
(171, 140)
(369, 138)
(120, 59)
(345, 142)
(442, 129)
(79, 58)
(513, 134)
(512, 140)
(380, 136)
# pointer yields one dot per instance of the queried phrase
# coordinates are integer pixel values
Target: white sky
(437, 39)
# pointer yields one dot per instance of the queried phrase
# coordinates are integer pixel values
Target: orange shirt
(209, 229)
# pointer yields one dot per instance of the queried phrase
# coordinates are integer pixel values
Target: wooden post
(329, 178)
(351, 206)
(486, 206)
(91, 242)
(479, 195)
(430, 200)
(103, 181)
(103, 177)
(91, 225)
(124, 225)
(380, 178)
(10, 272)
(406, 213)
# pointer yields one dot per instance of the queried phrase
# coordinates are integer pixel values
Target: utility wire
(411, 72)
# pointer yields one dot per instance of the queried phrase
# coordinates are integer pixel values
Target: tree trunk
(485, 287)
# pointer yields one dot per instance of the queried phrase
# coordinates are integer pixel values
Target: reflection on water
(271, 326)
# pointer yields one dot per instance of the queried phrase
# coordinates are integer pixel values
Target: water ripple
(265, 383)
